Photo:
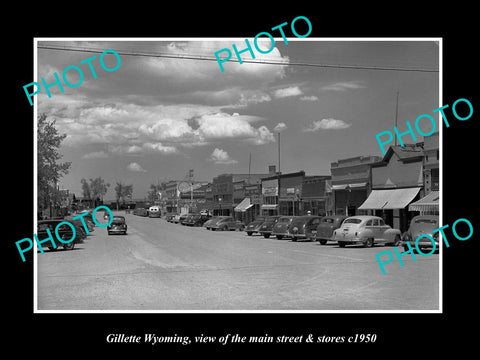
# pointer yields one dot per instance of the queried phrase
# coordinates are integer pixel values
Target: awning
(244, 205)
(269, 207)
(427, 203)
(389, 199)
(351, 186)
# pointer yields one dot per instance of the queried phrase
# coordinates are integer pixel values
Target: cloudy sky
(154, 118)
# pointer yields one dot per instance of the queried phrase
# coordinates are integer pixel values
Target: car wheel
(322, 242)
(249, 233)
(225, 228)
(266, 236)
(69, 246)
(124, 233)
(279, 237)
(51, 248)
(368, 243)
(397, 240)
(341, 244)
(213, 229)
(294, 238)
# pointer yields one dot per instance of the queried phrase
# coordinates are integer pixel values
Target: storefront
(269, 196)
(428, 205)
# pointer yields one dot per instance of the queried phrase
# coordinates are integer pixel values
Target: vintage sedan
(140, 211)
(420, 225)
(182, 218)
(267, 226)
(327, 226)
(304, 227)
(225, 223)
(367, 230)
(118, 226)
(280, 229)
(254, 226)
(196, 220)
(65, 233)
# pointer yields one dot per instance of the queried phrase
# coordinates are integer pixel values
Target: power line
(265, 62)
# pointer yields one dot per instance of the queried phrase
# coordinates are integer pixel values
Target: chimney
(272, 170)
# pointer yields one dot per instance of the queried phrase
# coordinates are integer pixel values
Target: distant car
(280, 229)
(267, 226)
(140, 211)
(169, 217)
(254, 226)
(182, 218)
(225, 223)
(195, 220)
(209, 222)
(419, 225)
(326, 227)
(65, 233)
(366, 230)
(304, 227)
(118, 225)
(176, 218)
(154, 212)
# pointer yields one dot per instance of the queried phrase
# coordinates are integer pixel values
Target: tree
(122, 191)
(49, 170)
(152, 195)
(94, 190)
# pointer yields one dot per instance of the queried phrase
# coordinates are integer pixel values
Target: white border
(440, 299)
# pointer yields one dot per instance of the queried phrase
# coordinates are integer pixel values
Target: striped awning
(389, 199)
(244, 205)
(427, 203)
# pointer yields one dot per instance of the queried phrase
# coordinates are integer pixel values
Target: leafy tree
(95, 189)
(152, 195)
(85, 189)
(49, 169)
(122, 191)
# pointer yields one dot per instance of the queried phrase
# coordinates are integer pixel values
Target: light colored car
(154, 212)
(421, 225)
(367, 230)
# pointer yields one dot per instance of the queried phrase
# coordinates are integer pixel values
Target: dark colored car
(327, 226)
(280, 229)
(65, 233)
(140, 211)
(196, 220)
(209, 222)
(254, 226)
(267, 226)
(225, 223)
(419, 225)
(118, 225)
(169, 217)
(304, 227)
(182, 218)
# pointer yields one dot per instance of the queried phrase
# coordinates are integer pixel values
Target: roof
(406, 153)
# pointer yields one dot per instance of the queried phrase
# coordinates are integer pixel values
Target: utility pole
(396, 118)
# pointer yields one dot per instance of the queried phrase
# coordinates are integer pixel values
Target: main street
(164, 266)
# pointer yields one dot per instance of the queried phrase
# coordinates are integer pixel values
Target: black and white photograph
(217, 179)
(234, 186)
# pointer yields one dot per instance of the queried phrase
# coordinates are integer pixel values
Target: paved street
(164, 266)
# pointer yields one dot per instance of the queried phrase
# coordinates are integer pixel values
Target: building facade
(351, 183)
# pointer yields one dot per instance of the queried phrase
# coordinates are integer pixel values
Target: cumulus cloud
(328, 124)
(220, 156)
(135, 167)
(286, 92)
(343, 86)
(280, 127)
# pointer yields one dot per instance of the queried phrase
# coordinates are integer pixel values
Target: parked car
(280, 229)
(366, 230)
(225, 223)
(154, 212)
(254, 226)
(169, 217)
(140, 211)
(65, 232)
(267, 226)
(118, 225)
(419, 225)
(196, 220)
(304, 227)
(182, 218)
(79, 228)
(326, 227)
(209, 222)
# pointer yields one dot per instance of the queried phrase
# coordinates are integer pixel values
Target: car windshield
(271, 219)
(118, 219)
(284, 220)
(327, 220)
(353, 221)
